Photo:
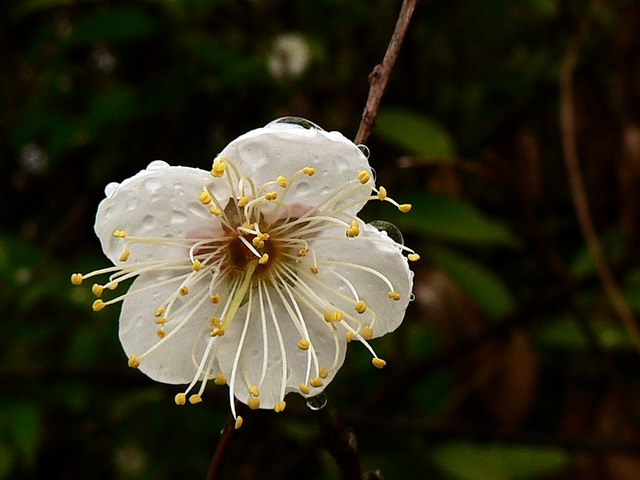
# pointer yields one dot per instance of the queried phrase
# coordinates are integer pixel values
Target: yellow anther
(364, 176)
(134, 362)
(405, 207)
(348, 336)
(303, 344)
(271, 195)
(219, 379)
(308, 171)
(394, 295)
(77, 278)
(112, 286)
(323, 372)
(160, 311)
(413, 257)
(303, 252)
(378, 362)
(205, 198)
(367, 332)
(314, 270)
(243, 201)
(360, 306)
(304, 389)
(215, 322)
(120, 234)
(217, 332)
(98, 305)
(253, 390)
(184, 290)
(336, 316)
(238, 422)
(97, 289)
(215, 298)
(254, 403)
(258, 242)
(354, 230)
(197, 265)
(316, 382)
(282, 181)
(195, 398)
(328, 316)
(280, 406)
(213, 210)
(161, 320)
(264, 259)
(125, 255)
(180, 399)
(382, 193)
(161, 332)
(218, 168)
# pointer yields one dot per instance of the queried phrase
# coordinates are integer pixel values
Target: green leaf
(482, 285)
(23, 423)
(120, 24)
(468, 461)
(415, 134)
(563, 333)
(454, 220)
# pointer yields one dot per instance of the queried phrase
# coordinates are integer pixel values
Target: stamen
(194, 399)
(360, 306)
(280, 406)
(413, 257)
(303, 344)
(77, 278)
(219, 167)
(180, 399)
(367, 332)
(97, 289)
(394, 295)
(364, 176)
(405, 207)
(382, 193)
(98, 305)
(238, 422)
(378, 362)
(134, 362)
(282, 181)
(220, 379)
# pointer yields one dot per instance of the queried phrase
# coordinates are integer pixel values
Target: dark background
(510, 364)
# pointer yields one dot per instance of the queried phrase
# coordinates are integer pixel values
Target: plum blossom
(254, 274)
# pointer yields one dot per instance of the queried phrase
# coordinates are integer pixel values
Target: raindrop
(412, 297)
(318, 402)
(393, 231)
(365, 150)
(110, 189)
(302, 122)
(157, 165)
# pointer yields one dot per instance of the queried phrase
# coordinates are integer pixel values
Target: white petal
(177, 357)
(157, 202)
(251, 359)
(284, 149)
(372, 250)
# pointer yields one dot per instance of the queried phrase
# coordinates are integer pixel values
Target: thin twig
(379, 77)
(576, 183)
(219, 456)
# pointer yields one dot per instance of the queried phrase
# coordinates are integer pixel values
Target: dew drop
(365, 150)
(302, 187)
(317, 402)
(393, 231)
(110, 189)
(412, 297)
(302, 122)
(152, 185)
(157, 165)
(178, 217)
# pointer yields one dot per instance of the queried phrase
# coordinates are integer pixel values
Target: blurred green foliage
(92, 91)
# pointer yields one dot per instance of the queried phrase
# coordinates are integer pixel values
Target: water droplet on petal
(110, 189)
(392, 231)
(318, 402)
(412, 297)
(365, 151)
(302, 122)
(157, 165)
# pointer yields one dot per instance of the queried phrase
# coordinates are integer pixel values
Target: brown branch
(340, 442)
(577, 187)
(229, 432)
(379, 77)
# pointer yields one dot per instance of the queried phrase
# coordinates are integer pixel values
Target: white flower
(256, 273)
